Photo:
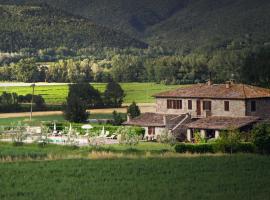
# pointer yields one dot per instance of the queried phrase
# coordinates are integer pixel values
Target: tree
(26, 70)
(117, 119)
(229, 140)
(113, 95)
(75, 107)
(9, 102)
(133, 110)
(261, 138)
(87, 93)
(256, 68)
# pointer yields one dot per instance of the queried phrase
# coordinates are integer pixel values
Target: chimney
(209, 82)
(229, 84)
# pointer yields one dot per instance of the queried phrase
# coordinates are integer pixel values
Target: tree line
(249, 65)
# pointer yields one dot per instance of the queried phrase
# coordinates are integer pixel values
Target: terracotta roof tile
(235, 91)
(155, 119)
(222, 123)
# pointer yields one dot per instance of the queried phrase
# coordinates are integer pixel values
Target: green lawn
(202, 177)
(49, 118)
(139, 92)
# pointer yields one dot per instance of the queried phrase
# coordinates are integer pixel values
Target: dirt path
(144, 108)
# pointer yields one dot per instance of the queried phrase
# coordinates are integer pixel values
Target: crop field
(195, 177)
(56, 94)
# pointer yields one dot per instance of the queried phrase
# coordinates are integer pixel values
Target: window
(226, 105)
(174, 104)
(253, 106)
(207, 105)
(190, 104)
(169, 104)
(179, 104)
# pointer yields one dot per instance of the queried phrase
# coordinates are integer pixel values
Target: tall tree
(87, 93)
(133, 110)
(26, 70)
(256, 68)
(113, 95)
(75, 107)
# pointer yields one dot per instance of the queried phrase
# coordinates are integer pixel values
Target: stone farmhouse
(205, 108)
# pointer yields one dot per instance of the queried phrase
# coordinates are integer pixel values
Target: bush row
(214, 148)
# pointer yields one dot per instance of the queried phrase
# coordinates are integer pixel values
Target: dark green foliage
(256, 67)
(185, 25)
(133, 110)
(261, 138)
(113, 95)
(117, 119)
(75, 107)
(38, 100)
(43, 26)
(195, 148)
(214, 148)
(9, 102)
(87, 93)
(229, 141)
(25, 71)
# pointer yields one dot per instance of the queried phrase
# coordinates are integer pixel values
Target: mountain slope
(180, 24)
(42, 27)
(130, 16)
(207, 22)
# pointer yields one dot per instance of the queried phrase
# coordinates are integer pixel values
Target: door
(199, 112)
(151, 131)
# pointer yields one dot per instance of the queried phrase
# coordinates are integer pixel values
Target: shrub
(246, 147)
(133, 110)
(229, 141)
(117, 119)
(213, 148)
(261, 138)
(166, 137)
(128, 136)
(181, 148)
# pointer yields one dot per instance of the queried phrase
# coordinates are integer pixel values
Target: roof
(217, 91)
(222, 123)
(156, 120)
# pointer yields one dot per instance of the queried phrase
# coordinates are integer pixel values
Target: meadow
(189, 177)
(56, 94)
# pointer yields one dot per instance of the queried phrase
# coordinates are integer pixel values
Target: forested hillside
(41, 27)
(180, 24)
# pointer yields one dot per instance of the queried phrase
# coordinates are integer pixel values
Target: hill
(180, 24)
(23, 26)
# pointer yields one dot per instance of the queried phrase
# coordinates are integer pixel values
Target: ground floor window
(151, 131)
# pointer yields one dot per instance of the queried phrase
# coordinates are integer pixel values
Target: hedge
(213, 148)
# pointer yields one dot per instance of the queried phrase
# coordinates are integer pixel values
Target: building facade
(208, 109)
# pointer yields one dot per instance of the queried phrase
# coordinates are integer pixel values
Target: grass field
(139, 92)
(195, 177)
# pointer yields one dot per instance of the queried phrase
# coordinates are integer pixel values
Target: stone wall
(237, 107)
(262, 108)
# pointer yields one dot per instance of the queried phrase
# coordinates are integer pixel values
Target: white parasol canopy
(87, 126)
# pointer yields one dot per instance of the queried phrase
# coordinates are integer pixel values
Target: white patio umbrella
(103, 131)
(70, 129)
(54, 128)
(87, 127)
